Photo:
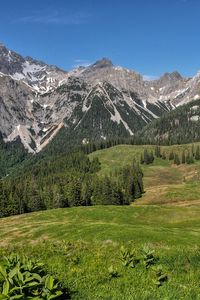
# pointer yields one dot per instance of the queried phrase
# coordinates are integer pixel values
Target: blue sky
(149, 36)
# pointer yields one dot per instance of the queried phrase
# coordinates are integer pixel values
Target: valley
(99, 181)
(164, 182)
(84, 246)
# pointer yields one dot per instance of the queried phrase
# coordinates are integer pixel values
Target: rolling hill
(86, 247)
(164, 182)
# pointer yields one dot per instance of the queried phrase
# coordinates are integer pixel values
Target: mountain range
(39, 101)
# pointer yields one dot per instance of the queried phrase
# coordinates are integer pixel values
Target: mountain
(180, 126)
(36, 74)
(40, 103)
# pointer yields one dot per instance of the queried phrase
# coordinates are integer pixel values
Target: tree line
(66, 181)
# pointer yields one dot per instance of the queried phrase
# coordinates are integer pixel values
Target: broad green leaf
(3, 271)
(49, 282)
(6, 287)
(3, 297)
(58, 293)
(20, 276)
(13, 272)
(17, 297)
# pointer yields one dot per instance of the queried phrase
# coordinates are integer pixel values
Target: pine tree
(193, 150)
(197, 153)
(141, 159)
(146, 157)
(157, 151)
(176, 159)
(151, 157)
(183, 159)
(189, 158)
(106, 191)
(164, 155)
(86, 192)
(74, 192)
(171, 156)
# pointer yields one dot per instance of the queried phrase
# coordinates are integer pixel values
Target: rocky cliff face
(97, 102)
(38, 75)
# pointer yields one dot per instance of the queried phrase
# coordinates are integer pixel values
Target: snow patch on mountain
(194, 118)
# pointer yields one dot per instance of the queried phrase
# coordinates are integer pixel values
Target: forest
(66, 181)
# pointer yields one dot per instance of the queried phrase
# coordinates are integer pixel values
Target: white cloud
(56, 18)
(81, 63)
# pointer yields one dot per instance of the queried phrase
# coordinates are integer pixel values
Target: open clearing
(81, 245)
(164, 182)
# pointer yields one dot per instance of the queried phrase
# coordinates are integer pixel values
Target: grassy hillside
(164, 182)
(105, 252)
(143, 224)
(82, 247)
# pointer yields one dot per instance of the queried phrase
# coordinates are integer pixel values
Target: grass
(164, 182)
(120, 224)
(81, 246)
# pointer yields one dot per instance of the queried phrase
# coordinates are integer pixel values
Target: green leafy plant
(159, 276)
(21, 278)
(113, 273)
(148, 257)
(129, 257)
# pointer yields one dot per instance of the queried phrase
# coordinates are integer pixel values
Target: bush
(129, 257)
(21, 278)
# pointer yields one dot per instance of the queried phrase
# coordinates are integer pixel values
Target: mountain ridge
(93, 102)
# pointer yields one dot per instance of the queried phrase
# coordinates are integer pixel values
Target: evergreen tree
(164, 155)
(74, 192)
(171, 155)
(197, 153)
(86, 192)
(183, 159)
(189, 158)
(157, 151)
(193, 150)
(142, 159)
(176, 159)
(146, 157)
(151, 157)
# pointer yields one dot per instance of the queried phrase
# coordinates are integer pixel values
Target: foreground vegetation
(110, 252)
(149, 250)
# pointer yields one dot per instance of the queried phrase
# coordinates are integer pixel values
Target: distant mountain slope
(88, 104)
(11, 154)
(38, 75)
(179, 126)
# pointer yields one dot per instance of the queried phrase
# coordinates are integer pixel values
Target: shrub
(129, 257)
(21, 278)
(159, 276)
(113, 273)
(149, 258)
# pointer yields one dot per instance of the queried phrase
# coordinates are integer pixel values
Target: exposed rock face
(38, 75)
(100, 101)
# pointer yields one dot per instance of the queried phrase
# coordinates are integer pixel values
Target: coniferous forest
(65, 181)
(63, 176)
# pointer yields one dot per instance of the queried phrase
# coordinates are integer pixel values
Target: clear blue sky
(149, 36)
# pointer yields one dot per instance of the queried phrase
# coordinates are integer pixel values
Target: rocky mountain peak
(169, 77)
(38, 99)
(102, 63)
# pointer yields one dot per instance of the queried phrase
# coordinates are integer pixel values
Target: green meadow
(148, 250)
(164, 182)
